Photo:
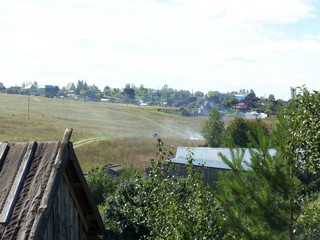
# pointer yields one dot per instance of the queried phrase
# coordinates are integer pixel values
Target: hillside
(49, 117)
(26, 118)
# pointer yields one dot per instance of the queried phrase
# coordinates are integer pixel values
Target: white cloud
(184, 42)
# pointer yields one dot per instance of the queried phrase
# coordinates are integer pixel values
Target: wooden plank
(50, 228)
(76, 203)
(50, 192)
(3, 151)
(76, 224)
(62, 204)
(18, 183)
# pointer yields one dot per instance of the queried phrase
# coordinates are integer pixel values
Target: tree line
(188, 103)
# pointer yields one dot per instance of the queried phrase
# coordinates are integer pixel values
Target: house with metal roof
(209, 159)
(43, 193)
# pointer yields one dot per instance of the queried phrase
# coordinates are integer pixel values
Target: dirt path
(87, 141)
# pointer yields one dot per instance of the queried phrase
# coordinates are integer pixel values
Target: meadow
(120, 134)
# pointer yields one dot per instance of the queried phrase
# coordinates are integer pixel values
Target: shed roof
(209, 157)
(30, 175)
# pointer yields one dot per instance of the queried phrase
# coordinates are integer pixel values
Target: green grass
(129, 129)
(128, 152)
(48, 119)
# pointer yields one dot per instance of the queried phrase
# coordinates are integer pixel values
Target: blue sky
(264, 45)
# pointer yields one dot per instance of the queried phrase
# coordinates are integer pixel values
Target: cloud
(150, 42)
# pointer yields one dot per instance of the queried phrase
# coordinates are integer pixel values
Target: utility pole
(28, 104)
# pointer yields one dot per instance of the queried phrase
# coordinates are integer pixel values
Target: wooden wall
(65, 221)
(210, 174)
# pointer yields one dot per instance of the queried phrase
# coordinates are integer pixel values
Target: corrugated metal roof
(30, 174)
(209, 157)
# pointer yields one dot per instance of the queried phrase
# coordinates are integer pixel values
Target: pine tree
(259, 202)
(213, 128)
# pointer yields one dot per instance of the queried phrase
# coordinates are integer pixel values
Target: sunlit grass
(129, 129)
(48, 118)
(128, 152)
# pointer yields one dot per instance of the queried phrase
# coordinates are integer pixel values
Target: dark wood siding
(210, 174)
(65, 221)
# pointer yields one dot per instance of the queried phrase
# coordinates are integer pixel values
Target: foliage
(213, 128)
(258, 200)
(100, 184)
(309, 219)
(163, 206)
(239, 131)
(82, 87)
(304, 132)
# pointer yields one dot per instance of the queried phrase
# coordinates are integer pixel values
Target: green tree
(239, 130)
(259, 198)
(162, 205)
(213, 128)
(100, 184)
(309, 219)
(82, 87)
(304, 132)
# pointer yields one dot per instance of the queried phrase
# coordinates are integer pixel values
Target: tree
(82, 87)
(277, 197)
(260, 202)
(230, 101)
(239, 130)
(304, 131)
(100, 184)
(213, 128)
(162, 205)
(129, 93)
(199, 94)
(251, 99)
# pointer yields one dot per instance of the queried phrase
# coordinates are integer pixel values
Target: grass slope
(49, 117)
(26, 118)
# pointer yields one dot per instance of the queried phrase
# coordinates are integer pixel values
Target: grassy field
(127, 130)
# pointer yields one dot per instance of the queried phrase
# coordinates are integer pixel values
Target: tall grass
(128, 128)
(47, 119)
(128, 152)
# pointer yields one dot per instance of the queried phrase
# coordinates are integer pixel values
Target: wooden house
(43, 193)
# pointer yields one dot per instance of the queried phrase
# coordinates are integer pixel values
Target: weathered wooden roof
(30, 175)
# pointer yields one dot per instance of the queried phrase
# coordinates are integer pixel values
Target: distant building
(208, 158)
(242, 107)
(48, 90)
(2, 87)
(31, 89)
(71, 89)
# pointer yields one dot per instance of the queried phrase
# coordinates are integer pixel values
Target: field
(103, 132)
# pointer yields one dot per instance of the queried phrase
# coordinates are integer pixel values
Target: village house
(48, 91)
(44, 194)
(2, 87)
(242, 107)
(31, 89)
(71, 89)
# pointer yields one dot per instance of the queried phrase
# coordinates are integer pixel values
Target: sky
(196, 45)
